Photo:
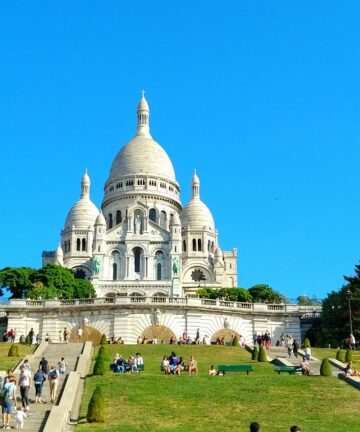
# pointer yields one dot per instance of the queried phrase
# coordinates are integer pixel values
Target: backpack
(53, 375)
(4, 396)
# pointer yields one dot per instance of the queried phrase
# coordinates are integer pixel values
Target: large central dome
(142, 155)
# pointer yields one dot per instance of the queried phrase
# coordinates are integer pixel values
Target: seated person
(120, 364)
(116, 358)
(130, 365)
(193, 366)
(212, 370)
(173, 362)
(305, 367)
(165, 365)
(350, 371)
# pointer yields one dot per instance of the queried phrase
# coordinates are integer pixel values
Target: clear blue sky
(261, 97)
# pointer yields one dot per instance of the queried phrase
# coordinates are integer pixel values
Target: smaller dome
(196, 214)
(59, 251)
(84, 212)
(218, 253)
(100, 220)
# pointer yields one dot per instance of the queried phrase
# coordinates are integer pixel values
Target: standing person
(62, 366)
(10, 399)
(24, 384)
(44, 365)
(39, 379)
(193, 367)
(295, 348)
(290, 349)
(79, 333)
(19, 417)
(66, 335)
(53, 377)
(60, 336)
(254, 427)
(31, 336)
(352, 342)
(308, 353)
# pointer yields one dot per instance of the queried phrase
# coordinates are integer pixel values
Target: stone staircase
(38, 413)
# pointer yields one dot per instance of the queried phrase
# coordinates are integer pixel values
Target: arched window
(137, 260)
(83, 244)
(69, 244)
(163, 219)
(209, 243)
(118, 217)
(212, 247)
(111, 223)
(184, 246)
(114, 268)
(152, 215)
(194, 245)
(199, 245)
(158, 271)
(78, 244)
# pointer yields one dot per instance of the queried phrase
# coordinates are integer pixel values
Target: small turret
(143, 115)
(59, 256)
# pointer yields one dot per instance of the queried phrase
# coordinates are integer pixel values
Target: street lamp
(348, 295)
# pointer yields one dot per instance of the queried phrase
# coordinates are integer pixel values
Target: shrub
(236, 341)
(102, 353)
(348, 356)
(13, 351)
(307, 343)
(96, 408)
(325, 368)
(100, 366)
(103, 340)
(27, 340)
(255, 353)
(262, 357)
(340, 355)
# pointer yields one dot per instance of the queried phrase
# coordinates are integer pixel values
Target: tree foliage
(96, 407)
(51, 281)
(262, 357)
(255, 353)
(13, 351)
(325, 368)
(335, 322)
(100, 366)
(262, 293)
(258, 293)
(304, 300)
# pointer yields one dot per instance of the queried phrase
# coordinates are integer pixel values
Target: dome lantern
(85, 185)
(143, 115)
(195, 184)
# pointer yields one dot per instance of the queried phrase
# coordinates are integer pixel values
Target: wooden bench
(235, 368)
(114, 368)
(288, 369)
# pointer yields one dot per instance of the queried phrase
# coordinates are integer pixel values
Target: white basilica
(143, 242)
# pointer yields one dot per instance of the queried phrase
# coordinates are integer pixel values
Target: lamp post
(348, 295)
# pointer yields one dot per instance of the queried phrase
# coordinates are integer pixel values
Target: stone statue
(137, 225)
(95, 266)
(157, 314)
(226, 323)
(85, 321)
(175, 267)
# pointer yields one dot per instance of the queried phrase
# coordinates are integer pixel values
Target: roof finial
(143, 111)
(85, 184)
(195, 184)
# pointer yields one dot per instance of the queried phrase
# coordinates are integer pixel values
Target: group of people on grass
(23, 382)
(173, 364)
(130, 364)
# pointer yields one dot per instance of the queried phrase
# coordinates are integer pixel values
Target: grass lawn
(7, 362)
(151, 401)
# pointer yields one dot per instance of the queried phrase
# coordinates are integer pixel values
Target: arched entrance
(226, 334)
(161, 333)
(89, 334)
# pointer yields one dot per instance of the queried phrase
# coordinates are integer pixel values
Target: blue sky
(261, 97)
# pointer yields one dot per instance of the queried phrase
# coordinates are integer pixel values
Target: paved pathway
(38, 413)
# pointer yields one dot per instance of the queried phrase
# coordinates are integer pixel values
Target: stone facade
(143, 242)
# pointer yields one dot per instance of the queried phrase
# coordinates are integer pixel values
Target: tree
(262, 293)
(262, 357)
(307, 343)
(100, 366)
(236, 341)
(47, 283)
(255, 353)
(304, 300)
(17, 279)
(13, 351)
(348, 356)
(335, 322)
(103, 340)
(96, 407)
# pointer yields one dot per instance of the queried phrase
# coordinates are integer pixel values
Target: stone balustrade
(308, 311)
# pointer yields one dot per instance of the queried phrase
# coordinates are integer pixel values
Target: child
(62, 366)
(212, 370)
(19, 417)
